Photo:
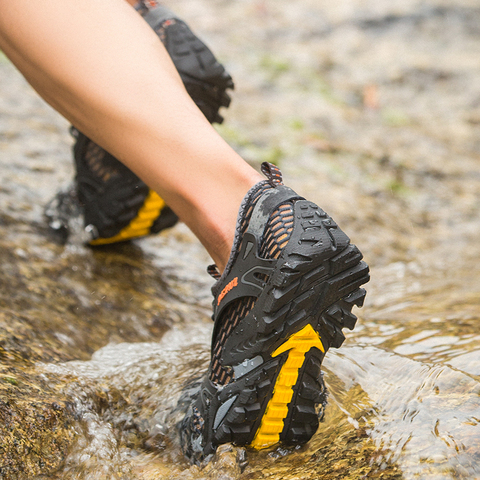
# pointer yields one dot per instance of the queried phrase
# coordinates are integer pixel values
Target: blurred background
(372, 110)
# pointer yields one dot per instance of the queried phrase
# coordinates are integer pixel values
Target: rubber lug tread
(302, 421)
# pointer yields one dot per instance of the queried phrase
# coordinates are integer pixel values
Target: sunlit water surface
(401, 171)
(404, 395)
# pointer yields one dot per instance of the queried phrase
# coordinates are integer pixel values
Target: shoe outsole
(205, 79)
(309, 303)
(141, 225)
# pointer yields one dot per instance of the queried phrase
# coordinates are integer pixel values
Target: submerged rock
(371, 110)
(36, 425)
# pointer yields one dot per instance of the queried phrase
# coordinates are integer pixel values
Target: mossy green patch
(395, 118)
(274, 65)
(10, 380)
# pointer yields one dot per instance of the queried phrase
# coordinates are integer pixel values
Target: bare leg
(295, 278)
(100, 65)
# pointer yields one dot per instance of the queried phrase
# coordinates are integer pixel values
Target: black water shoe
(281, 303)
(115, 203)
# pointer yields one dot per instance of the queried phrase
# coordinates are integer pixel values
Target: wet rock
(372, 110)
(36, 425)
(224, 465)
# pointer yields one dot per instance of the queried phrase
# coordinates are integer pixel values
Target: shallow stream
(372, 110)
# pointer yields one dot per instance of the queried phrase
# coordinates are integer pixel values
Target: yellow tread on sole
(272, 422)
(141, 224)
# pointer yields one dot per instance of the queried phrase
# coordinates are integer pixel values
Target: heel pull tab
(273, 173)
(213, 271)
(154, 13)
(146, 5)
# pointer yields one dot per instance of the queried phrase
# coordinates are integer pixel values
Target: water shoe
(115, 203)
(281, 303)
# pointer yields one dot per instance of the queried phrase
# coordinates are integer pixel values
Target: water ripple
(424, 415)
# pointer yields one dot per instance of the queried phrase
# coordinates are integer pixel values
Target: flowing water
(372, 109)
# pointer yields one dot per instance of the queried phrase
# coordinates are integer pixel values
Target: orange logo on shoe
(228, 287)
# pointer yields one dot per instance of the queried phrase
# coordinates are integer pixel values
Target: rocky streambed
(371, 109)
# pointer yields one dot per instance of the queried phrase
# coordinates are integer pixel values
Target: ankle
(215, 220)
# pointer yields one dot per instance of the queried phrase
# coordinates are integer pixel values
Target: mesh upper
(275, 237)
(96, 159)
